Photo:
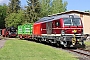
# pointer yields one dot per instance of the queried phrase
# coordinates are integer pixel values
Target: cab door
(56, 27)
(49, 27)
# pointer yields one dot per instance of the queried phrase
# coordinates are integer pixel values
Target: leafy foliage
(15, 19)
(45, 8)
(14, 6)
(49, 7)
(15, 15)
(87, 11)
(33, 10)
(3, 15)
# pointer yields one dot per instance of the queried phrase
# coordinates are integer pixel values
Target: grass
(87, 43)
(24, 50)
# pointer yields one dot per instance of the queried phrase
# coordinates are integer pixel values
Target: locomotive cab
(72, 31)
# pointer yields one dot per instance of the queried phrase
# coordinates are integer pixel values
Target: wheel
(47, 41)
(58, 44)
(80, 46)
(20, 37)
(38, 40)
(63, 47)
(83, 46)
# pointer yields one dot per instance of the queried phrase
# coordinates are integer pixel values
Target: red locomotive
(9, 32)
(64, 30)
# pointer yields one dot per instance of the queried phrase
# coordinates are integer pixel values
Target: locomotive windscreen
(73, 22)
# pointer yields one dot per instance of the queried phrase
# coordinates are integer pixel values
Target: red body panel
(12, 35)
(40, 28)
(68, 30)
(43, 28)
(37, 29)
(4, 32)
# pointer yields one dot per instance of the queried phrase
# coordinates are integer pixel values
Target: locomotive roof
(55, 17)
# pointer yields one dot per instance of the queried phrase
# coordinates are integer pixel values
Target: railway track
(83, 52)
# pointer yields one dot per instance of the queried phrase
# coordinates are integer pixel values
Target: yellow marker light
(74, 31)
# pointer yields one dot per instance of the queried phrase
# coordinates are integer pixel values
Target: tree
(87, 11)
(33, 10)
(45, 7)
(14, 6)
(3, 15)
(58, 6)
(15, 15)
(49, 7)
(15, 19)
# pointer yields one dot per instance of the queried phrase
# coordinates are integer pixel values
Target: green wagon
(20, 30)
(25, 31)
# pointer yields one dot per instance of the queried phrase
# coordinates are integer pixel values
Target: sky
(80, 5)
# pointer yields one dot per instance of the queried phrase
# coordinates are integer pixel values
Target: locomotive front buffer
(73, 40)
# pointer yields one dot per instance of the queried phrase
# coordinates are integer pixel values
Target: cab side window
(57, 23)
